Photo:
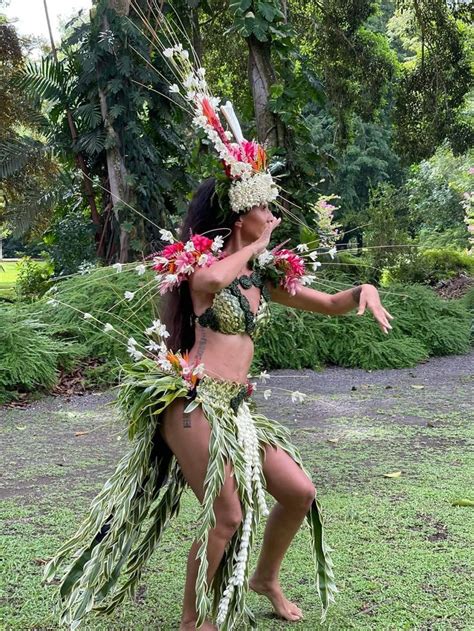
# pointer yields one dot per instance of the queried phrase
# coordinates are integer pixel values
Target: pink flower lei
(178, 260)
(290, 268)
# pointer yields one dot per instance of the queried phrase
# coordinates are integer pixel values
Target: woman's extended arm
(363, 296)
(222, 273)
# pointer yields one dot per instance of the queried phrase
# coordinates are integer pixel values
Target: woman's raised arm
(221, 273)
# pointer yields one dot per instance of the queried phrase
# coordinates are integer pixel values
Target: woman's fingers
(383, 322)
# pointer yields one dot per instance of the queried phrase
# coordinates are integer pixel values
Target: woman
(190, 424)
(228, 356)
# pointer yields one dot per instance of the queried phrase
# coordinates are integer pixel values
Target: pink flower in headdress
(251, 152)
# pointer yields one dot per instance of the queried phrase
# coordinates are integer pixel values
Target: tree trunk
(116, 173)
(270, 130)
(88, 190)
(196, 34)
(122, 7)
(116, 168)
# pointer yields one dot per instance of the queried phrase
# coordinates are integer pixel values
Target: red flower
(209, 112)
(172, 250)
(293, 269)
(289, 261)
(202, 244)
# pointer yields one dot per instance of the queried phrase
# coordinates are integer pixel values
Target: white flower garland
(248, 440)
(258, 188)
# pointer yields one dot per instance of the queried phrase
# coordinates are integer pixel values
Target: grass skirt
(106, 556)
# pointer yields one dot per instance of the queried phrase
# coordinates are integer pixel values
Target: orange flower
(210, 113)
(173, 359)
(261, 163)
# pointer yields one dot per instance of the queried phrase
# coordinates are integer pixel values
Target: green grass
(8, 274)
(403, 553)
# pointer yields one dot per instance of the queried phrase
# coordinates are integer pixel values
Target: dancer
(186, 400)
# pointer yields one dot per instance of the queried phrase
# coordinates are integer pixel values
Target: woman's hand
(260, 244)
(370, 299)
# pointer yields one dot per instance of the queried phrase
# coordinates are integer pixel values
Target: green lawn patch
(8, 274)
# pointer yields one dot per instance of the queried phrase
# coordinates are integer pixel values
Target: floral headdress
(248, 181)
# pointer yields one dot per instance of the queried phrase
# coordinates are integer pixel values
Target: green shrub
(31, 355)
(468, 300)
(346, 268)
(70, 243)
(431, 266)
(424, 325)
(33, 279)
(468, 303)
(100, 292)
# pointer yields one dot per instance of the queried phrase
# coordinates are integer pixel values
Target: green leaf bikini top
(230, 312)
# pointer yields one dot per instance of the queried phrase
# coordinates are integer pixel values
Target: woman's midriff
(224, 356)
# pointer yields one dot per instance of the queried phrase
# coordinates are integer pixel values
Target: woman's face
(254, 221)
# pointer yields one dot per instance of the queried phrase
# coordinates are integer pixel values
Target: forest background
(365, 105)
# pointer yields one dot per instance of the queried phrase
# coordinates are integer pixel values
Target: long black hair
(204, 216)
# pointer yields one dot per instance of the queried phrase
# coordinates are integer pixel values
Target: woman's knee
(228, 518)
(303, 496)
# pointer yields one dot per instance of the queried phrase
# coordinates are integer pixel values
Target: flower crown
(244, 161)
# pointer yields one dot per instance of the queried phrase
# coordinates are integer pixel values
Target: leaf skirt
(102, 563)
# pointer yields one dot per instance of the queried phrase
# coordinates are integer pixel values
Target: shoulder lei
(178, 260)
(284, 269)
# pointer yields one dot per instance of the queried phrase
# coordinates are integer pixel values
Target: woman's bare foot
(191, 626)
(283, 607)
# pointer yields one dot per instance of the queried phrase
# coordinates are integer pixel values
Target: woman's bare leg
(188, 439)
(294, 493)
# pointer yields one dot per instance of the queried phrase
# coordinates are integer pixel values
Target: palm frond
(88, 114)
(36, 204)
(16, 153)
(46, 80)
(92, 142)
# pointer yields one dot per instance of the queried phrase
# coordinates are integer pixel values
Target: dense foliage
(366, 100)
(346, 94)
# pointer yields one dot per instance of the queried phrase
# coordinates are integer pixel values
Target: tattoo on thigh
(186, 420)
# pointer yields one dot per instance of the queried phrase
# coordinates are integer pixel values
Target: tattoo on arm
(356, 294)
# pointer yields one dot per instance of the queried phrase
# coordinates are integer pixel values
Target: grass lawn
(8, 274)
(403, 554)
